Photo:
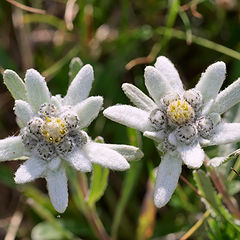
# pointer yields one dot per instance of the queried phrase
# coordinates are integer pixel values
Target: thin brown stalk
(70, 13)
(235, 171)
(90, 212)
(26, 8)
(14, 225)
(226, 198)
(22, 33)
(218, 183)
(191, 186)
(15, 222)
(140, 60)
(96, 224)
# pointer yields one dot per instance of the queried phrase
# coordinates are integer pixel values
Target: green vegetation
(119, 38)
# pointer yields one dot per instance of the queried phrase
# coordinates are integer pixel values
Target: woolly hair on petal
(156, 136)
(57, 189)
(23, 111)
(192, 155)
(37, 90)
(105, 157)
(224, 133)
(54, 163)
(168, 174)
(130, 116)
(138, 98)
(157, 85)
(130, 153)
(88, 110)
(227, 98)
(30, 170)
(80, 86)
(11, 148)
(211, 81)
(79, 161)
(168, 70)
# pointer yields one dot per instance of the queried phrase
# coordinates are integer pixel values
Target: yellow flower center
(54, 129)
(180, 112)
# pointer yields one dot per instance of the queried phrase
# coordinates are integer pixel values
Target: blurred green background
(119, 38)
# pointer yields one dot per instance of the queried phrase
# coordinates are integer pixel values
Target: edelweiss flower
(180, 121)
(51, 133)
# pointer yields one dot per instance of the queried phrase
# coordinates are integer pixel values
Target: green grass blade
(48, 19)
(187, 25)
(201, 42)
(129, 184)
(51, 71)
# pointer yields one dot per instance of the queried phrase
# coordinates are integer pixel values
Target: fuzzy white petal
(156, 83)
(37, 90)
(23, 111)
(172, 138)
(57, 189)
(130, 153)
(54, 163)
(88, 110)
(211, 81)
(216, 162)
(168, 70)
(207, 107)
(11, 148)
(157, 136)
(79, 161)
(57, 101)
(14, 84)
(227, 98)
(31, 169)
(80, 86)
(105, 157)
(138, 98)
(192, 155)
(129, 116)
(167, 178)
(224, 133)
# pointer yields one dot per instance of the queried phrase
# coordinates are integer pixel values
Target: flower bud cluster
(51, 133)
(182, 115)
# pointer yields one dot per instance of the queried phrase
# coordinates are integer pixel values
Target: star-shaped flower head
(52, 133)
(180, 121)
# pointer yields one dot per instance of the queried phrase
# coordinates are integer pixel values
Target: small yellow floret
(180, 112)
(54, 129)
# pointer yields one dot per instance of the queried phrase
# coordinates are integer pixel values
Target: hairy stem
(79, 187)
(96, 224)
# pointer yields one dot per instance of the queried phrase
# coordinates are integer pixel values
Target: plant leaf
(98, 184)
(46, 231)
(213, 199)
